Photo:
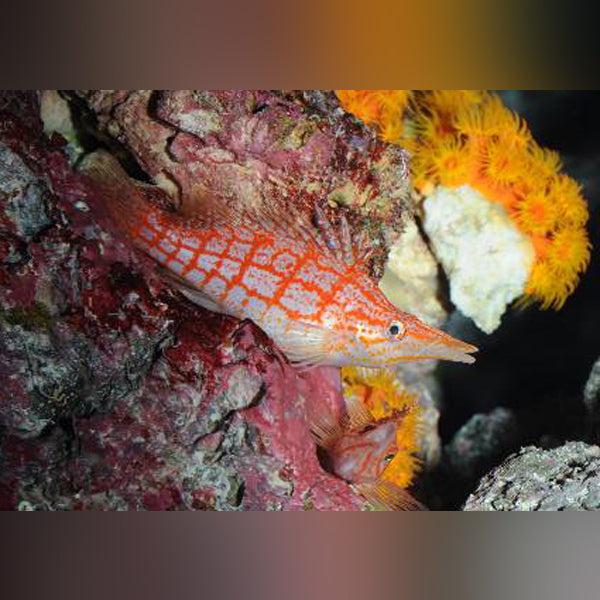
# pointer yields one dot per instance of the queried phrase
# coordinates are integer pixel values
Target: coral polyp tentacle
(536, 215)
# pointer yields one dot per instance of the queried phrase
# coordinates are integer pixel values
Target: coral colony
(468, 138)
(299, 243)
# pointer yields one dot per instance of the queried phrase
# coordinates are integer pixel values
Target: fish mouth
(423, 341)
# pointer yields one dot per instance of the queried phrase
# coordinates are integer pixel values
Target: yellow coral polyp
(392, 131)
(535, 215)
(361, 103)
(422, 169)
(450, 102)
(502, 164)
(566, 193)
(393, 101)
(492, 118)
(544, 162)
(473, 121)
(542, 286)
(450, 162)
(569, 252)
(541, 245)
(431, 127)
(401, 469)
(565, 255)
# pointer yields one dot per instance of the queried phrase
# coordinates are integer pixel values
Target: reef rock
(486, 259)
(591, 392)
(480, 442)
(564, 478)
(257, 146)
(117, 393)
(410, 279)
(25, 195)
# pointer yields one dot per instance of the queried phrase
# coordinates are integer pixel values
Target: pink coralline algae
(253, 146)
(117, 393)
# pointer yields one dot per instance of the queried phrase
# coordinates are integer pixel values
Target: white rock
(487, 260)
(56, 114)
(410, 278)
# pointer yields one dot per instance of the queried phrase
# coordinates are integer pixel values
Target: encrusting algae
(468, 137)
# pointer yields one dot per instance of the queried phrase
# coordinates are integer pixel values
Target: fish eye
(389, 458)
(396, 330)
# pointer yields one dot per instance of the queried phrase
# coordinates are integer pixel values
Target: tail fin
(124, 198)
(386, 495)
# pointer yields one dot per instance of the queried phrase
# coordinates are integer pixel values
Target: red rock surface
(116, 391)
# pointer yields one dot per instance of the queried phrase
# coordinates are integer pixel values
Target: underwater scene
(349, 300)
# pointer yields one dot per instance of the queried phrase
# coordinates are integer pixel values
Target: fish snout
(423, 341)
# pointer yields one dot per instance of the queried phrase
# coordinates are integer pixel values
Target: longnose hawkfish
(358, 448)
(306, 288)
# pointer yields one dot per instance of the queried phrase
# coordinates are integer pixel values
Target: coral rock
(116, 392)
(410, 278)
(480, 442)
(25, 195)
(486, 259)
(565, 478)
(591, 392)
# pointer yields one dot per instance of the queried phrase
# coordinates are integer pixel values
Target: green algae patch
(36, 318)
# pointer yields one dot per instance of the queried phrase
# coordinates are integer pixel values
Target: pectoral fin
(190, 292)
(308, 345)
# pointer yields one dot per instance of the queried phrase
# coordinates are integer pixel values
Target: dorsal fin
(289, 220)
(325, 428)
(300, 220)
(350, 250)
(304, 223)
(359, 416)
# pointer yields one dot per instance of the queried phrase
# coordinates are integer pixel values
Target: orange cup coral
(468, 137)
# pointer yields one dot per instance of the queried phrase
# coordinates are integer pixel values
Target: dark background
(537, 362)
